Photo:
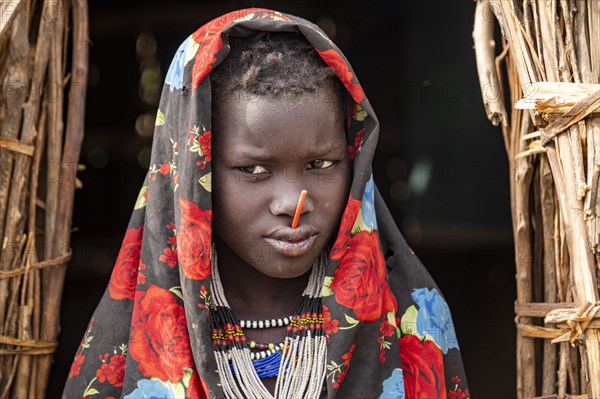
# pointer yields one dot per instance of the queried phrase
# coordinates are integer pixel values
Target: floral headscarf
(389, 330)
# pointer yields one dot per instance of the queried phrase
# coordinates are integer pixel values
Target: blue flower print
(367, 208)
(175, 74)
(150, 389)
(434, 319)
(393, 387)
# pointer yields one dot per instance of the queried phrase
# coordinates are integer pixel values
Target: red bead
(290, 328)
(261, 347)
(228, 326)
(312, 326)
(295, 330)
(217, 342)
(215, 331)
(230, 337)
(236, 339)
(244, 339)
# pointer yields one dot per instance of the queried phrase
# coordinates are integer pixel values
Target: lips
(292, 242)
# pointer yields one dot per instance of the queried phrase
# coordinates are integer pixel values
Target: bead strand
(266, 353)
(266, 323)
(261, 347)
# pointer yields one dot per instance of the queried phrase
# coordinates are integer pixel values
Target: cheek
(335, 195)
(236, 209)
(344, 176)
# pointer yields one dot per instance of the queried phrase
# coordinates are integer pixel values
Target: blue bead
(269, 366)
(266, 367)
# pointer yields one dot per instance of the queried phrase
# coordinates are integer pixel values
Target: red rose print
(194, 239)
(76, 366)
(423, 368)
(353, 149)
(205, 58)
(380, 341)
(342, 70)
(169, 257)
(331, 326)
(197, 388)
(360, 281)
(159, 338)
(113, 372)
(205, 140)
(141, 276)
(341, 244)
(346, 357)
(164, 169)
(458, 393)
(124, 275)
(386, 329)
(203, 297)
(209, 37)
(343, 368)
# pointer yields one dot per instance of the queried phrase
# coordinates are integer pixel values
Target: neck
(253, 295)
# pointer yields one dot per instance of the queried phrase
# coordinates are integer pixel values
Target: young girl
(284, 298)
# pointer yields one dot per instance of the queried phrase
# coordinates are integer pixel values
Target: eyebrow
(243, 155)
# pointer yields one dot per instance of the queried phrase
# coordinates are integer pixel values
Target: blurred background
(440, 165)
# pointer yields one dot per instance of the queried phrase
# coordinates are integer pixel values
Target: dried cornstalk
(38, 163)
(550, 64)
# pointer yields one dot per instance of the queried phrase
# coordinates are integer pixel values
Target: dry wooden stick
(11, 103)
(523, 255)
(550, 284)
(74, 137)
(27, 287)
(483, 37)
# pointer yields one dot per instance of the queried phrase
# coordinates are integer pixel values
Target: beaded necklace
(299, 362)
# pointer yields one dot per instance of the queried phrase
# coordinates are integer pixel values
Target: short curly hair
(274, 64)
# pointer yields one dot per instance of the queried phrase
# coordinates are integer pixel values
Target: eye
(254, 169)
(320, 164)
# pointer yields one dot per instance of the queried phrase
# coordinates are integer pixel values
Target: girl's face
(266, 151)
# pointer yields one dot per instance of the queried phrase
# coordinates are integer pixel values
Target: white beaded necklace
(304, 351)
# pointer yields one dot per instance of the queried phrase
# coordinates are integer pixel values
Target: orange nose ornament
(298, 209)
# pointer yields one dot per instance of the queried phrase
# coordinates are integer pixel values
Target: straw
(548, 71)
(299, 209)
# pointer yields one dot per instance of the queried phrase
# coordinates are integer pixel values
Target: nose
(286, 201)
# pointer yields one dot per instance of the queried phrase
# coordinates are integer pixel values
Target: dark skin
(265, 151)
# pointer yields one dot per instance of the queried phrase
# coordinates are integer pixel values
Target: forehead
(278, 123)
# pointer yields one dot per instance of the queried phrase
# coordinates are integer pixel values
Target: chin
(280, 266)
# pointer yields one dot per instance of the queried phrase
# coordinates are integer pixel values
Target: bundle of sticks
(39, 160)
(547, 73)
